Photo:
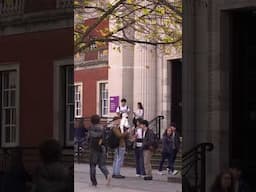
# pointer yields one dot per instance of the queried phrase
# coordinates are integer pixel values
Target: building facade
(139, 73)
(36, 72)
(218, 77)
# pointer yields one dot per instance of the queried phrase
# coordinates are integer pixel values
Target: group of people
(144, 143)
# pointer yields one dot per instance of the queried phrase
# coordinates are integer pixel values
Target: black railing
(156, 124)
(194, 166)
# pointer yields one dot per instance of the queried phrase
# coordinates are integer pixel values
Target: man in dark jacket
(148, 148)
(97, 150)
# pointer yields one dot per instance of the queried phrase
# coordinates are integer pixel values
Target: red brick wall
(36, 52)
(93, 54)
(89, 78)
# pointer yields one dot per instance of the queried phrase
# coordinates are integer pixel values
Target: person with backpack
(148, 146)
(119, 150)
(167, 151)
(97, 150)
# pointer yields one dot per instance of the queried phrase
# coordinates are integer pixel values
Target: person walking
(120, 150)
(176, 146)
(97, 150)
(139, 113)
(148, 148)
(167, 151)
(138, 149)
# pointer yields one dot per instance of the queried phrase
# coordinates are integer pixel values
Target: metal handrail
(196, 157)
(155, 124)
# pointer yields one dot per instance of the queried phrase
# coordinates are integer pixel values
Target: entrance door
(243, 91)
(176, 96)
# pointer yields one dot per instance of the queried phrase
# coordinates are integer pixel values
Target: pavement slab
(130, 184)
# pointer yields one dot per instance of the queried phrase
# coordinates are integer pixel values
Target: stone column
(145, 78)
(120, 73)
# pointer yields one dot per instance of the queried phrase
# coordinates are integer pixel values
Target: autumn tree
(155, 22)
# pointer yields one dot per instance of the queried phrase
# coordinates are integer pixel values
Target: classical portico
(213, 52)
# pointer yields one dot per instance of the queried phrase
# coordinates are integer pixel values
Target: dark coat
(95, 135)
(148, 140)
(177, 141)
(167, 144)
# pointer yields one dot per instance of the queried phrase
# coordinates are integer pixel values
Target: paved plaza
(130, 184)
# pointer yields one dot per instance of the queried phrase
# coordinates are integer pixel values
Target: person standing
(138, 149)
(224, 182)
(138, 114)
(148, 148)
(97, 150)
(167, 151)
(52, 175)
(176, 146)
(123, 108)
(240, 183)
(120, 150)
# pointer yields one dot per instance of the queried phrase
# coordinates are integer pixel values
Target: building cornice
(38, 21)
(91, 64)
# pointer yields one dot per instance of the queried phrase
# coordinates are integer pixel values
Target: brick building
(36, 72)
(91, 77)
(123, 70)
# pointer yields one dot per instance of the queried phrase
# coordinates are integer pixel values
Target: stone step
(130, 160)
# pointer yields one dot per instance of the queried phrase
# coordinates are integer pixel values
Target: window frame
(59, 103)
(81, 99)
(5, 67)
(99, 99)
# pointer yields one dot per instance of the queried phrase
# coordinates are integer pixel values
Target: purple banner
(114, 102)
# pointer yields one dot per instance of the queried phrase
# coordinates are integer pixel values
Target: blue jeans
(118, 160)
(140, 170)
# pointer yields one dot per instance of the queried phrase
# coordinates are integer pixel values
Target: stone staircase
(130, 159)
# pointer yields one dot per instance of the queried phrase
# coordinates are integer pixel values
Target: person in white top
(138, 114)
(123, 108)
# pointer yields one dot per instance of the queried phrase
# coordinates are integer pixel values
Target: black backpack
(110, 139)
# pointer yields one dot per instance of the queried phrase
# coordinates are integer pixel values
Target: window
(92, 47)
(78, 100)
(102, 54)
(69, 104)
(9, 111)
(63, 122)
(103, 98)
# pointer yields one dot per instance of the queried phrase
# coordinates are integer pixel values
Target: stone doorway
(175, 78)
(243, 90)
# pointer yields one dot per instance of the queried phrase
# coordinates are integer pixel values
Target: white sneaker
(160, 173)
(175, 172)
(137, 175)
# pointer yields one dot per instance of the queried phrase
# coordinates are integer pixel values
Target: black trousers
(97, 158)
(169, 157)
(175, 151)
